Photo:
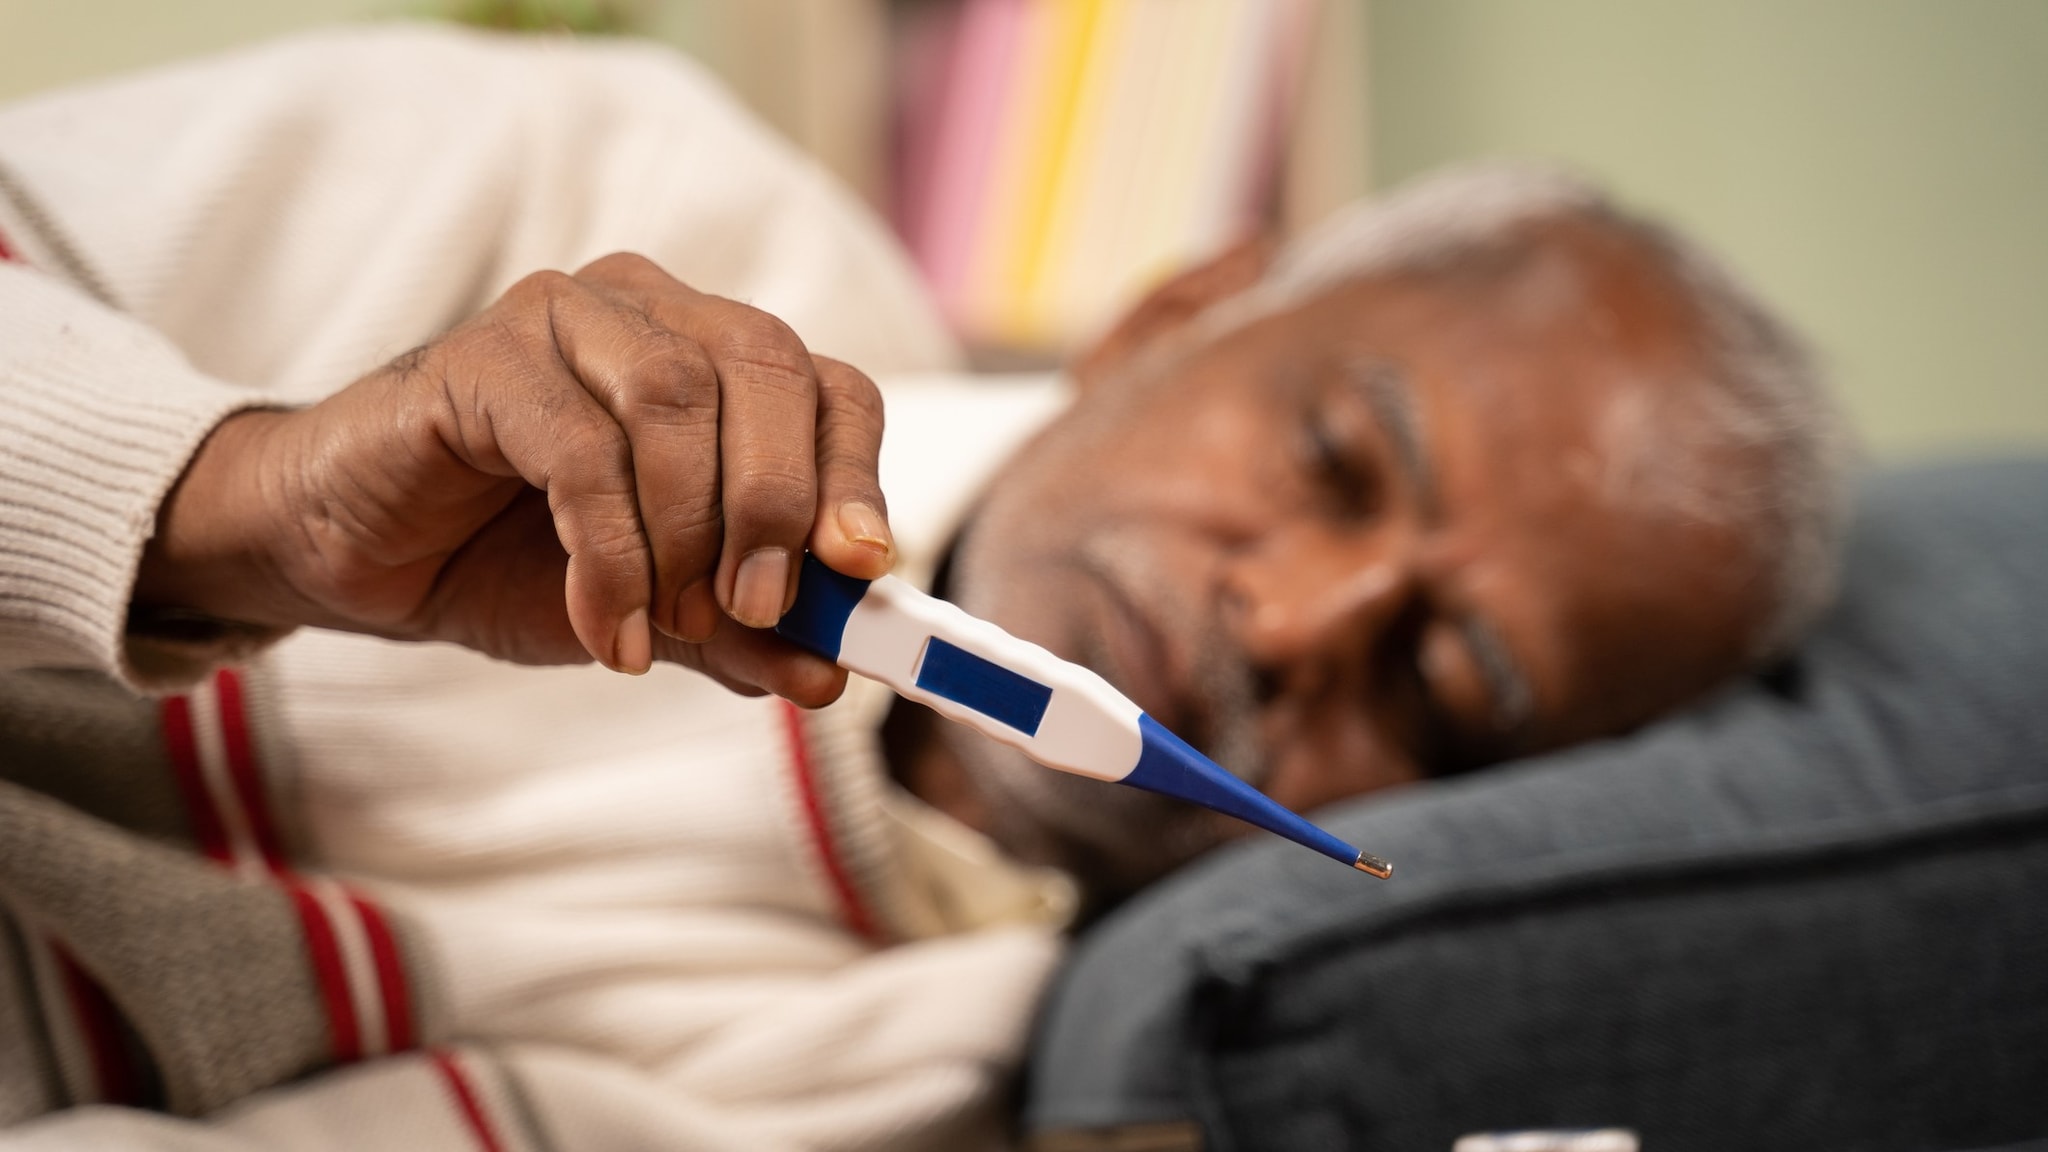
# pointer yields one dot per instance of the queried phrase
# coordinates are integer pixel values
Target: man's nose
(1302, 595)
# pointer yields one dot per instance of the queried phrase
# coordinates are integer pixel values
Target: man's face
(1389, 533)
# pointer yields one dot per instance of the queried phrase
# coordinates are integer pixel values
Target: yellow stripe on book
(1046, 152)
(1087, 179)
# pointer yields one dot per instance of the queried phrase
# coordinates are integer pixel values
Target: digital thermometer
(1058, 713)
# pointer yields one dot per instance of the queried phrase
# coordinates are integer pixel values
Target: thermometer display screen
(956, 674)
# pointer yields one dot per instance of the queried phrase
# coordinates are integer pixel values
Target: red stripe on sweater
(323, 942)
(243, 770)
(851, 908)
(6, 253)
(466, 1101)
(324, 950)
(183, 749)
(391, 986)
(99, 1023)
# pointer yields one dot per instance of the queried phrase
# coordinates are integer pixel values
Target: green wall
(1878, 168)
(45, 43)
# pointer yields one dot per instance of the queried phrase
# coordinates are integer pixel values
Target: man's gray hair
(1765, 399)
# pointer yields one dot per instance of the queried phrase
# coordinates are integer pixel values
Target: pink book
(923, 46)
(969, 126)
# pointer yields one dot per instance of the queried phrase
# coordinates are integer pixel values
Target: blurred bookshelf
(1045, 161)
(1052, 158)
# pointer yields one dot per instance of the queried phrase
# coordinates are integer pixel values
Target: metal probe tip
(1374, 866)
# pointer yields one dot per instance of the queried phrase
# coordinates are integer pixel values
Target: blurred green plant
(600, 16)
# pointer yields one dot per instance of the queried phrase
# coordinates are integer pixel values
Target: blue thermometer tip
(1170, 766)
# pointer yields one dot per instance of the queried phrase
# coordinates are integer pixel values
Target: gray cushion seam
(1998, 811)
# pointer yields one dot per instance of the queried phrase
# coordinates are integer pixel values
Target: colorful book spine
(1082, 149)
(963, 153)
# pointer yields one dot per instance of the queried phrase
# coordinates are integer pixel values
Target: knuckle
(848, 391)
(750, 327)
(765, 349)
(684, 533)
(773, 379)
(596, 454)
(612, 541)
(601, 530)
(507, 340)
(614, 266)
(538, 287)
(671, 374)
(689, 522)
(769, 492)
(850, 471)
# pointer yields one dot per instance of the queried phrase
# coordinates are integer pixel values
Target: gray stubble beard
(1113, 839)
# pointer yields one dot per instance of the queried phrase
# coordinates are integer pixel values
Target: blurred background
(1879, 168)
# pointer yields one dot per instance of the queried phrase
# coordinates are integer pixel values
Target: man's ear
(1172, 304)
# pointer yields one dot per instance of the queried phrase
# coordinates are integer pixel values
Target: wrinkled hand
(605, 465)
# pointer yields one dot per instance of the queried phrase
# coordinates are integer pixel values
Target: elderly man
(1488, 469)
(1480, 472)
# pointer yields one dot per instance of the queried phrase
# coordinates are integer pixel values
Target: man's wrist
(213, 555)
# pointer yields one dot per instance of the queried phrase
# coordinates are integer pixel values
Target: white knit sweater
(656, 914)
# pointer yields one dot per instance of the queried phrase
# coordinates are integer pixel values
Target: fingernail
(865, 526)
(633, 647)
(758, 591)
(696, 613)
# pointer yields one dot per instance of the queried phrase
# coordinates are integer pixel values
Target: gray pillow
(1810, 913)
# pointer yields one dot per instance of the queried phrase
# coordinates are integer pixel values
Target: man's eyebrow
(1387, 392)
